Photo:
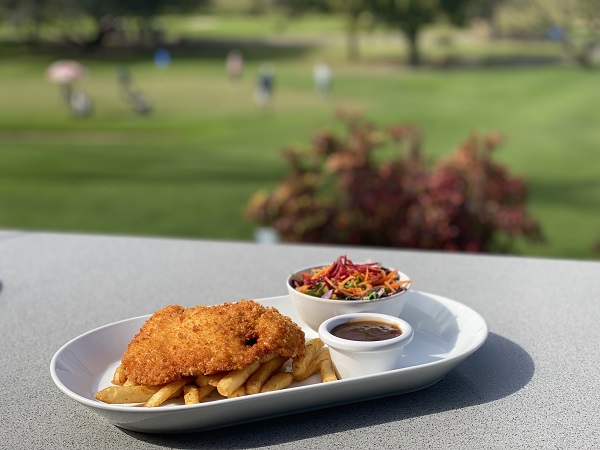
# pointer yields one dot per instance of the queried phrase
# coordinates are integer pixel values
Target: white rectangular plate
(446, 332)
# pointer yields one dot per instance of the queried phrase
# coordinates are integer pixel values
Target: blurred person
(66, 73)
(134, 96)
(234, 65)
(265, 85)
(323, 79)
(79, 102)
(556, 33)
(162, 58)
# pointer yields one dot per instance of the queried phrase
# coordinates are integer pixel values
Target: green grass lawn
(189, 168)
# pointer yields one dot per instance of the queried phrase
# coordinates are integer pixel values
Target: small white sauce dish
(359, 358)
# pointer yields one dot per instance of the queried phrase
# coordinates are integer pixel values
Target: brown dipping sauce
(366, 330)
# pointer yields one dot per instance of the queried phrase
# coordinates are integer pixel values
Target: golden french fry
(202, 380)
(126, 394)
(321, 356)
(309, 372)
(119, 377)
(268, 358)
(258, 378)
(300, 363)
(278, 381)
(205, 391)
(190, 394)
(234, 379)
(239, 392)
(327, 372)
(170, 390)
(214, 379)
(261, 376)
(314, 365)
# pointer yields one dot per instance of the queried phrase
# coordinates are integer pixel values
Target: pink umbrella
(65, 71)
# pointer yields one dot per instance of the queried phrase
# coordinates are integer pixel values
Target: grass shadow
(185, 48)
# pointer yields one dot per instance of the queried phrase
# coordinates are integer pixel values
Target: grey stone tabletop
(533, 383)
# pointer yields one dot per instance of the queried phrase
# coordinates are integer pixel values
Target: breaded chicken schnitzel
(177, 342)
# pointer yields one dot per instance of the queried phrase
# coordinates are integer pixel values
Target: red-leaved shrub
(373, 187)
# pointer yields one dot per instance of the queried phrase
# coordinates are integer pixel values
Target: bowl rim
(365, 346)
(339, 301)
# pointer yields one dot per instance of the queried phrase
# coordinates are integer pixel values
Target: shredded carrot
(348, 281)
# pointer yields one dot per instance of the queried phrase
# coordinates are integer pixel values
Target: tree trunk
(414, 55)
(352, 51)
(104, 28)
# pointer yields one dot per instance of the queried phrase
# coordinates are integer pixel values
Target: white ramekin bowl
(359, 358)
(314, 310)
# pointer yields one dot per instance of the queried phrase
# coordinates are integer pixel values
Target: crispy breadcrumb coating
(177, 342)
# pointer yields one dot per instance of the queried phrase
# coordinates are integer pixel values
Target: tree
(26, 17)
(576, 24)
(30, 14)
(353, 10)
(487, 10)
(411, 16)
(103, 12)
